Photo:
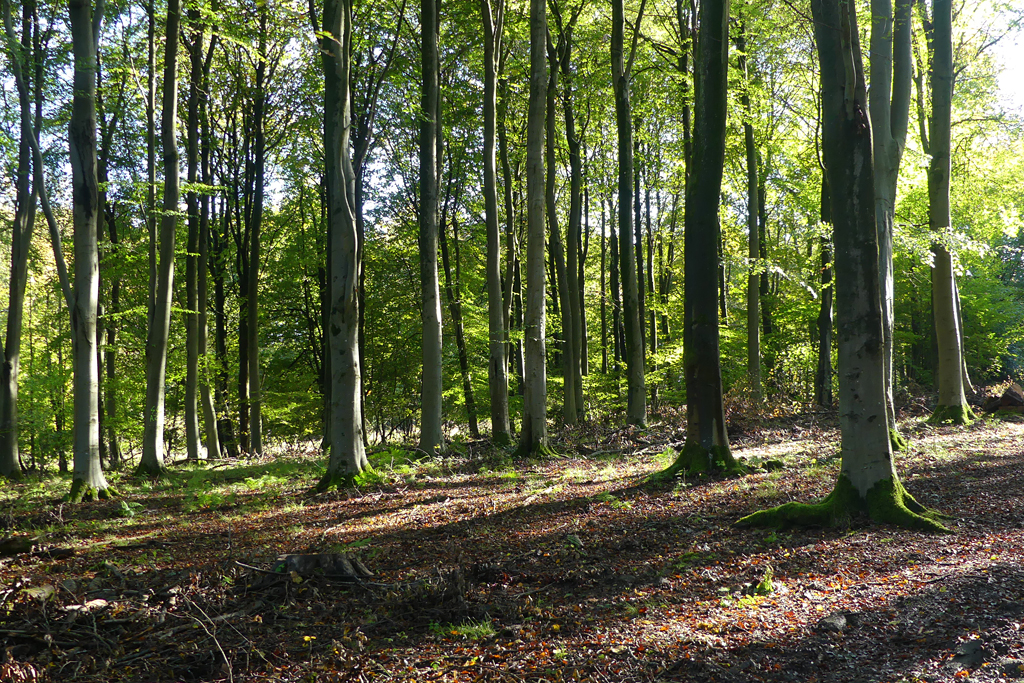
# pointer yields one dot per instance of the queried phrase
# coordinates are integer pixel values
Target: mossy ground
(888, 502)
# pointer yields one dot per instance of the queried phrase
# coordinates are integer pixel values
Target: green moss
(899, 442)
(82, 492)
(887, 502)
(695, 459)
(151, 472)
(542, 450)
(955, 415)
(336, 480)
(501, 439)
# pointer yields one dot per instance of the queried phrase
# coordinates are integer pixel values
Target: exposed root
(887, 502)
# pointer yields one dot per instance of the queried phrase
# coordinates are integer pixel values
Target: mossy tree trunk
(868, 481)
(344, 419)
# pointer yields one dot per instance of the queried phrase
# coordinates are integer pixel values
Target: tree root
(887, 502)
(899, 442)
(82, 492)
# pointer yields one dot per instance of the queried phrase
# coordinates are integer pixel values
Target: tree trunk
(213, 443)
(636, 400)
(867, 481)
(345, 424)
(497, 364)
(707, 441)
(616, 296)
(193, 445)
(823, 376)
(218, 268)
(574, 336)
(564, 297)
(88, 481)
(453, 291)
(152, 462)
(890, 113)
(952, 405)
(604, 293)
(256, 223)
(534, 435)
(21, 240)
(753, 241)
(430, 399)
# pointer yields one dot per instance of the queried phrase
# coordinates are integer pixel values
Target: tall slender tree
(430, 313)
(753, 234)
(86, 20)
(952, 405)
(21, 239)
(344, 422)
(497, 365)
(622, 68)
(534, 435)
(158, 331)
(889, 99)
(707, 441)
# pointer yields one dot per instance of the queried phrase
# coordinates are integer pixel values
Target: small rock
(970, 653)
(1012, 668)
(773, 465)
(95, 585)
(833, 622)
(70, 585)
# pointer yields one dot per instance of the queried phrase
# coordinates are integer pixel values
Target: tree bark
(344, 424)
(889, 100)
(565, 299)
(753, 235)
(707, 441)
(952, 405)
(534, 434)
(256, 226)
(21, 240)
(497, 364)
(87, 481)
(636, 398)
(823, 376)
(430, 399)
(152, 462)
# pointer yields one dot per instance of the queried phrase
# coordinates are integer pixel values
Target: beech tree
(344, 436)
(158, 330)
(868, 482)
(534, 435)
(430, 313)
(707, 441)
(952, 405)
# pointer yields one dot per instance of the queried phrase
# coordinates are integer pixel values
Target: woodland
(555, 340)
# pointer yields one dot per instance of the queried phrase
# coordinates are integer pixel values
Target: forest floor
(490, 568)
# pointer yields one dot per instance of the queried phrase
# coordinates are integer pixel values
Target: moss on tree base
(501, 439)
(536, 451)
(694, 459)
(955, 415)
(887, 502)
(336, 480)
(899, 442)
(153, 472)
(83, 492)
